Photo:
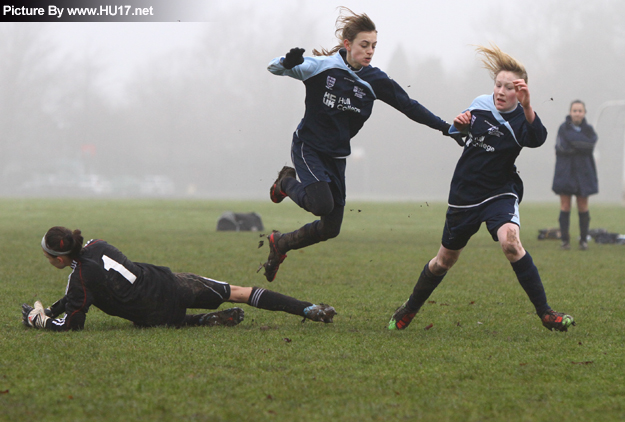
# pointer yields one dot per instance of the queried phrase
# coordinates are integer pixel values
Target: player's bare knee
(511, 248)
(448, 263)
(442, 265)
(510, 242)
(239, 294)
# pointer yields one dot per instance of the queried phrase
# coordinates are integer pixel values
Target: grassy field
(486, 356)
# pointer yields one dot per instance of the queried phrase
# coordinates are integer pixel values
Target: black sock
(584, 222)
(564, 220)
(293, 188)
(191, 320)
(426, 284)
(194, 320)
(527, 274)
(304, 236)
(272, 301)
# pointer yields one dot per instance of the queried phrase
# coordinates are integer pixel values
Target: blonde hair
(348, 26)
(496, 61)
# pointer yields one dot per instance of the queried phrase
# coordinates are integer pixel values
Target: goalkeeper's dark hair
(62, 239)
(577, 102)
(348, 26)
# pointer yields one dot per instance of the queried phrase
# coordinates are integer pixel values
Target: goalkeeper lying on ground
(147, 295)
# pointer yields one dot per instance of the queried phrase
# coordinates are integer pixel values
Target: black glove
(458, 137)
(293, 58)
(26, 309)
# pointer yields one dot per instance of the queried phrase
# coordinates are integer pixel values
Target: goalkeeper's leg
(273, 301)
(228, 317)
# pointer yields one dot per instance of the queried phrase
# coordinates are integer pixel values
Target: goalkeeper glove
(25, 312)
(293, 58)
(34, 317)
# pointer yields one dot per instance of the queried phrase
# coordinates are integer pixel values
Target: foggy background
(188, 109)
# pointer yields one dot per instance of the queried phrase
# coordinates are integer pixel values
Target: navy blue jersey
(103, 276)
(486, 167)
(339, 100)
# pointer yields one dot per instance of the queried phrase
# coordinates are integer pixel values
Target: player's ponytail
(348, 26)
(60, 241)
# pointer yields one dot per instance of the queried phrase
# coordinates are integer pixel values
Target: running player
(341, 86)
(145, 294)
(487, 188)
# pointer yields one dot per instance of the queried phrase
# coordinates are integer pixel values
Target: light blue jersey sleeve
(485, 102)
(313, 66)
(309, 68)
(479, 100)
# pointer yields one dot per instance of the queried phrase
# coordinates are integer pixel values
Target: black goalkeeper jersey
(145, 294)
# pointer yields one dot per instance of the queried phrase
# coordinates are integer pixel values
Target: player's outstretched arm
(57, 308)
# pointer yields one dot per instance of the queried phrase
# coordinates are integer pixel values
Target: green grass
(485, 358)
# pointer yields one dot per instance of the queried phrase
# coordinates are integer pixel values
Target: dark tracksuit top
(143, 293)
(575, 172)
(339, 100)
(486, 168)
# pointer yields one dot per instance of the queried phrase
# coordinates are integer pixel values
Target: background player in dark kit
(145, 294)
(575, 172)
(341, 87)
(487, 188)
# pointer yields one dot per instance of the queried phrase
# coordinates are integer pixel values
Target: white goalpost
(611, 156)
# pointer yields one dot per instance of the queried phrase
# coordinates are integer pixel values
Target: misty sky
(425, 29)
(223, 48)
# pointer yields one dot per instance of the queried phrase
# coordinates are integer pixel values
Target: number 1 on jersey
(111, 264)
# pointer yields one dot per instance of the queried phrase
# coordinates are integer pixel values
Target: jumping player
(145, 294)
(341, 86)
(487, 188)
